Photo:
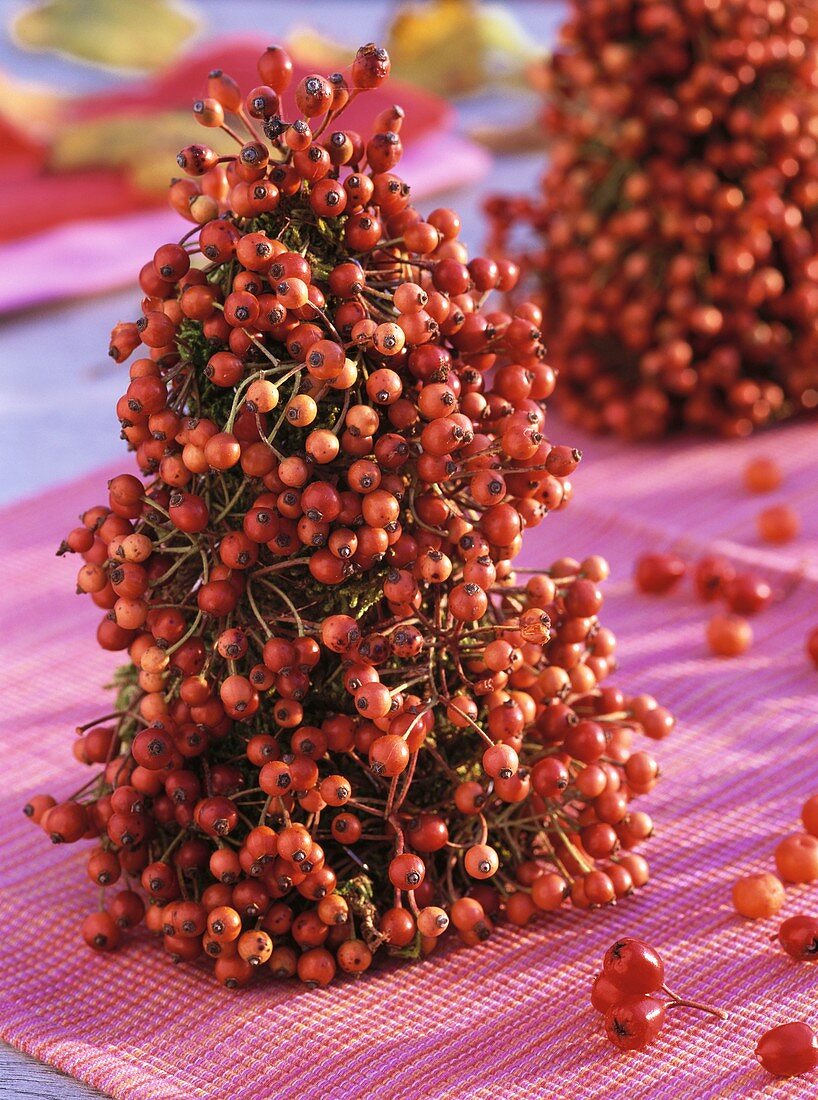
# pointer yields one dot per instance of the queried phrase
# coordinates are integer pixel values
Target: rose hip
(788, 1050)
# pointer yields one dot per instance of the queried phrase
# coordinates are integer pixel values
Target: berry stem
(682, 1002)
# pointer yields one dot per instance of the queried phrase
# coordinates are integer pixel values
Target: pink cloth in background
(42, 268)
(510, 1020)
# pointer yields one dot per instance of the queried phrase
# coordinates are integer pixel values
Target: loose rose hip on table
(747, 594)
(780, 523)
(809, 815)
(812, 646)
(658, 574)
(712, 572)
(796, 858)
(758, 895)
(788, 1050)
(343, 706)
(762, 475)
(729, 635)
(799, 937)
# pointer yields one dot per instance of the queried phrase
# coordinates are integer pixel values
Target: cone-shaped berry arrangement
(677, 231)
(347, 719)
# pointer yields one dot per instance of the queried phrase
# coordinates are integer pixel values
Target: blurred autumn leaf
(450, 47)
(317, 50)
(115, 34)
(454, 47)
(145, 146)
(31, 105)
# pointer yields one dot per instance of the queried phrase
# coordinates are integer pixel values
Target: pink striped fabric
(511, 1019)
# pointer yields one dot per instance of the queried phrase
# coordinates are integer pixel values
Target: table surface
(68, 406)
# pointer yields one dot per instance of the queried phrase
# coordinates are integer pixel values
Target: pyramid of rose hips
(676, 235)
(346, 720)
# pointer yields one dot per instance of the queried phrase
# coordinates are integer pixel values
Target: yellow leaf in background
(145, 146)
(454, 47)
(438, 46)
(115, 34)
(503, 34)
(310, 47)
(33, 108)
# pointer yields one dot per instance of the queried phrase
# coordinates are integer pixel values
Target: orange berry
(762, 475)
(729, 635)
(758, 895)
(812, 646)
(796, 858)
(778, 524)
(809, 815)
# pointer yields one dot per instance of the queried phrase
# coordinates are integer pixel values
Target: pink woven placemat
(510, 1020)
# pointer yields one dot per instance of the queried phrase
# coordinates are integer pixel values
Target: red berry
(370, 67)
(729, 635)
(762, 474)
(778, 524)
(812, 646)
(799, 937)
(657, 574)
(634, 967)
(635, 1022)
(796, 858)
(747, 594)
(101, 932)
(604, 994)
(710, 576)
(788, 1050)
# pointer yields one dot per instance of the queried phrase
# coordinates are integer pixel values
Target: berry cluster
(347, 720)
(627, 992)
(676, 231)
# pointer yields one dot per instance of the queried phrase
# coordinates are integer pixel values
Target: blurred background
(95, 102)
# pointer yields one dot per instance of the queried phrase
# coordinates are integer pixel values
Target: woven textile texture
(511, 1020)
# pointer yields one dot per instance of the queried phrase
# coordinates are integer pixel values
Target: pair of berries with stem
(627, 991)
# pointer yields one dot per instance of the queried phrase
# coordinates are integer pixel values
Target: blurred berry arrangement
(676, 239)
(346, 720)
